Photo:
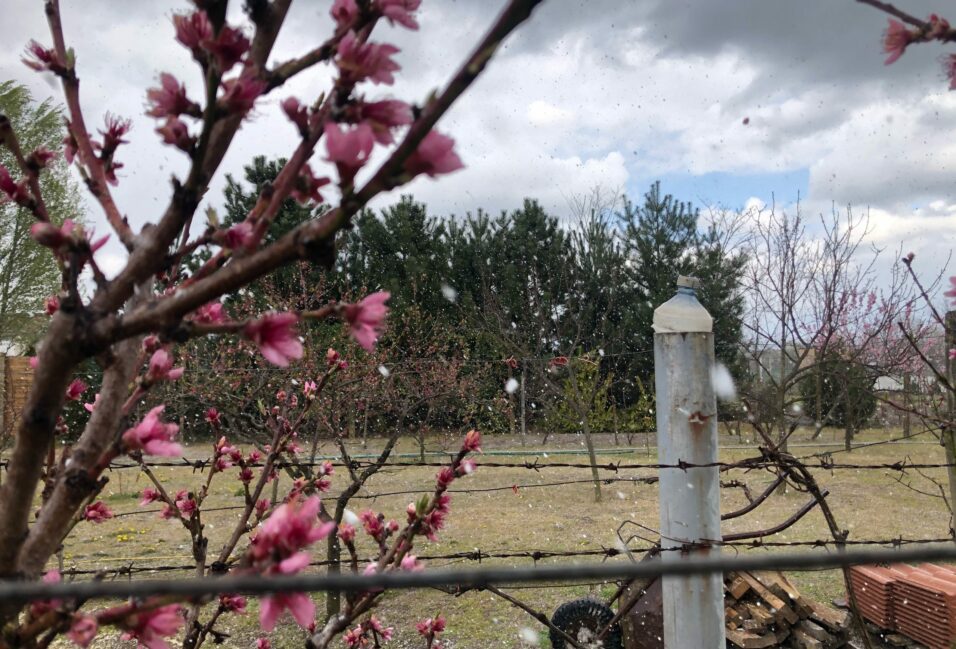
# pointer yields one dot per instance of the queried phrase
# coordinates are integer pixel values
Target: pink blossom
(445, 476)
(382, 631)
(347, 533)
(245, 475)
(185, 503)
(76, 388)
(951, 293)
(41, 157)
(370, 61)
(233, 603)
(97, 512)
(308, 389)
(299, 605)
(51, 236)
(238, 236)
(372, 524)
(83, 630)
(170, 98)
(116, 128)
(291, 528)
(354, 637)
(949, 67)
(435, 155)
(307, 186)
(176, 133)
(296, 112)
(255, 455)
(210, 313)
(349, 150)
(399, 11)
(472, 441)
(90, 407)
(40, 58)
(431, 626)
(366, 318)
(153, 436)
(223, 447)
(263, 643)
(16, 192)
(52, 305)
(383, 116)
(938, 27)
(262, 506)
(151, 343)
(151, 627)
(241, 92)
(38, 608)
(161, 367)
(228, 48)
(34, 362)
(344, 12)
(895, 40)
(212, 416)
(410, 563)
(192, 29)
(952, 354)
(327, 468)
(149, 496)
(276, 337)
(331, 357)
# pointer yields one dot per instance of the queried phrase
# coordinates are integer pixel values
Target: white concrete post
(689, 499)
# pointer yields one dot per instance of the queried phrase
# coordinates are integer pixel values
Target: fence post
(689, 499)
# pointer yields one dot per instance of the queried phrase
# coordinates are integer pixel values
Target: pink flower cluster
(278, 548)
(153, 436)
(371, 633)
(366, 318)
(275, 336)
(430, 629)
(64, 238)
(97, 512)
(150, 627)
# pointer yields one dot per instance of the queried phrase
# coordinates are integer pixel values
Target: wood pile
(764, 609)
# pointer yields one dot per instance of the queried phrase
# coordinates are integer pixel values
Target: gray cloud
(588, 92)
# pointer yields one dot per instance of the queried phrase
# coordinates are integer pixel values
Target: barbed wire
(755, 462)
(128, 566)
(676, 565)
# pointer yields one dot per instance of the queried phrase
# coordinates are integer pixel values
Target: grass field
(871, 504)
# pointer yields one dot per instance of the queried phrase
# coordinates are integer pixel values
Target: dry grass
(871, 504)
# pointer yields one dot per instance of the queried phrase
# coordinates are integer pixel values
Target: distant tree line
(471, 292)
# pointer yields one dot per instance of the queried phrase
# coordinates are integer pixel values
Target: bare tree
(814, 296)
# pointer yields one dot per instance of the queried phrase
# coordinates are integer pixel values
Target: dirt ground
(871, 504)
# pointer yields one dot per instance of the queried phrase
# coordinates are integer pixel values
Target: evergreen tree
(300, 285)
(663, 240)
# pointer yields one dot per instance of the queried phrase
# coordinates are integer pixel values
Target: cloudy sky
(590, 93)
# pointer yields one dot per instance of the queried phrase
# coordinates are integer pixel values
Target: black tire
(581, 614)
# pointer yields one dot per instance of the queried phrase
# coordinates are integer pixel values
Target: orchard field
(871, 504)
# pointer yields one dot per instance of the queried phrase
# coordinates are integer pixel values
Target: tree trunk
(586, 427)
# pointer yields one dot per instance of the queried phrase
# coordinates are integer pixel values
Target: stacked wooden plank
(764, 609)
(920, 600)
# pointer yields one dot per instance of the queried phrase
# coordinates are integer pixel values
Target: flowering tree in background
(904, 30)
(133, 323)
